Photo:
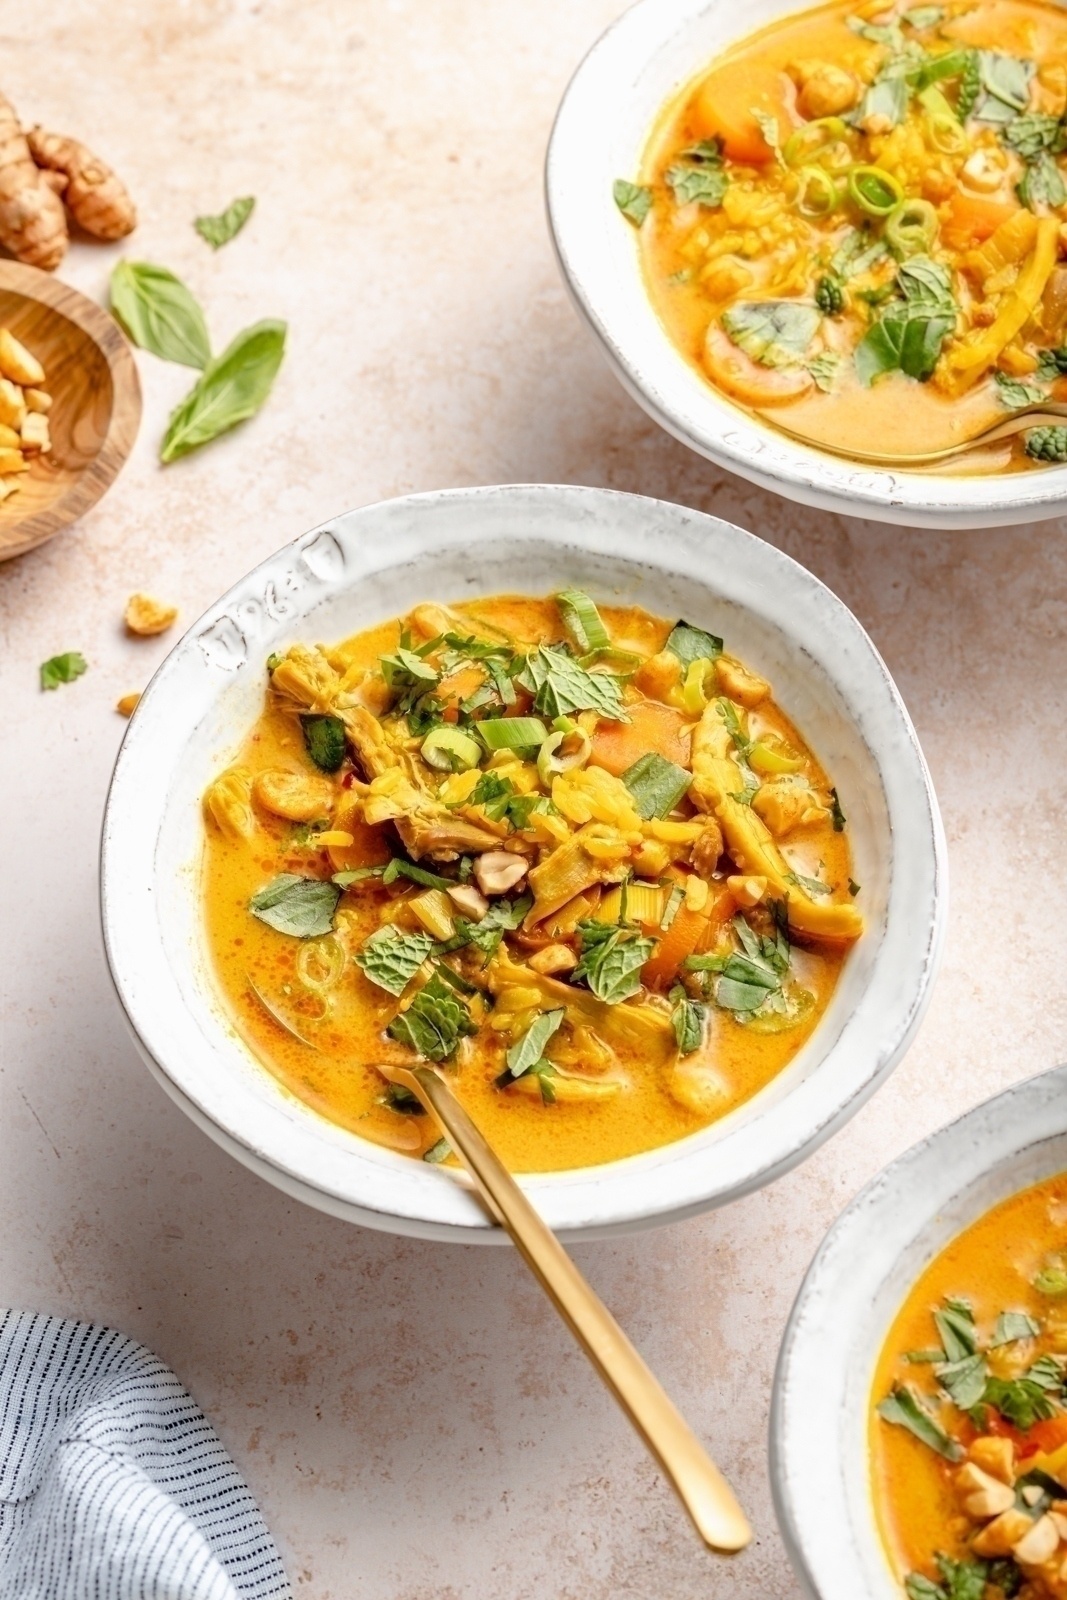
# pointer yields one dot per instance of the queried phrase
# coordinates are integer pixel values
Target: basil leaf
(634, 200)
(775, 333)
(434, 1022)
(964, 1381)
(688, 1019)
(159, 313)
(1047, 444)
(301, 907)
(1047, 1372)
(221, 229)
(1013, 1325)
(704, 184)
(910, 332)
(887, 97)
(531, 1047)
(903, 1409)
(916, 1587)
(503, 915)
(611, 961)
(656, 785)
(324, 739)
(811, 886)
(706, 150)
(691, 644)
(62, 669)
(955, 1325)
(492, 794)
(231, 389)
(560, 686)
(391, 958)
(1042, 184)
(824, 369)
(1021, 1401)
(399, 868)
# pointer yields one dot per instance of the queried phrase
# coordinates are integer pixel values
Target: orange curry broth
(699, 261)
(991, 1265)
(338, 1077)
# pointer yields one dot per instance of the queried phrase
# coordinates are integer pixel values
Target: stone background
(414, 1420)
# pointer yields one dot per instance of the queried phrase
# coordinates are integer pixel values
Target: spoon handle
(699, 1484)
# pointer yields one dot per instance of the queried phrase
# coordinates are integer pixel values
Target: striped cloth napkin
(112, 1484)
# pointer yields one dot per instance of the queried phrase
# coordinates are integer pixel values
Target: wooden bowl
(96, 404)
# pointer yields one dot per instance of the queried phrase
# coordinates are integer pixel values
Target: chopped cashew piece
(747, 891)
(497, 871)
(17, 363)
(553, 958)
(995, 1456)
(127, 705)
(145, 616)
(34, 432)
(466, 898)
(1039, 1543)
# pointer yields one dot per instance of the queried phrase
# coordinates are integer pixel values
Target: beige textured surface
(412, 1418)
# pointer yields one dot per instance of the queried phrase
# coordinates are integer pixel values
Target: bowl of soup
(824, 247)
(919, 1427)
(605, 807)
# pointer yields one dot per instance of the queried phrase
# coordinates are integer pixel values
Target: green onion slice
(552, 759)
(875, 191)
(512, 733)
(911, 228)
(582, 620)
(818, 194)
(450, 750)
(812, 141)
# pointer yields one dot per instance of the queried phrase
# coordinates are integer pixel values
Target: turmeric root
(96, 198)
(32, 224)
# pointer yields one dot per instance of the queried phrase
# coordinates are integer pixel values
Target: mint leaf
(691, 644)
(634, 200)
(824, 369)
(704, 184)
(434, 1022)
(1035, 131)
(560, 686)
(391, 958)
(611, 961)
(62, 669)
(1042, 184)
(301, 907)
(775, 333)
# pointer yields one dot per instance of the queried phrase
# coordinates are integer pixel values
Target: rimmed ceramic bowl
(856, 1285)
(376, 563)
(600, 134)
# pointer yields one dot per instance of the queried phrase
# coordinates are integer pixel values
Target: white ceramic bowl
(375, 563)
(600, 134)
(854, 1289)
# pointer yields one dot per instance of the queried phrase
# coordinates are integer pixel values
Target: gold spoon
(699, 1484)
(1031, 416)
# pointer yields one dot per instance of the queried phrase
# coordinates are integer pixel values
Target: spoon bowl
(1039, 413)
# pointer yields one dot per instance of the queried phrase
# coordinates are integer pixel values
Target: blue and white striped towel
(112, 1484)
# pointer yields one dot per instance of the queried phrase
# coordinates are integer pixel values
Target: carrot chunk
(724, 106)
(652, 727)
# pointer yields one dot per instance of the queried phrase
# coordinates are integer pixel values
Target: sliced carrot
(972, 218)
(723, 108)
(652, 727)
(1046, 1436)
(689, 934)
(369, 847)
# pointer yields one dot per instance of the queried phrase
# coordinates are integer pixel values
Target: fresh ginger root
(96, 198)
(32, 224)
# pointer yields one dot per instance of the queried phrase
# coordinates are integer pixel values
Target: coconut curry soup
(578, 857)
(856, 223)
(969, 1428)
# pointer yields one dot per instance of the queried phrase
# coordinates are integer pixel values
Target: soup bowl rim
(599, 134)
(857, 1282)
(155, 983)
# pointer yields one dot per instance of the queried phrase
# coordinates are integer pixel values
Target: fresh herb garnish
(611, 960)
(230, 389)
(397, 1098)
(689, 1020)
(1004, 87)
(810, 886)
(528, 1050)
(62, 669)
(656, 784)
(1014, 393)
(390, 958)
(502, 916)
(1034, 132)
(961, 1580)
(1042, 184)
(886, 98)
(438, 1152)
(691, 644)
(492, 793)
(1052, 363)
(903, 1408)
(837, 816)
(634, 200)
(728, 712)
(911, 329)
(1047, 444)
(324, 740)
(1022, 1401)
(219, 230)
(922, 17)
(775, 333)
(159, 313)
(434, 1022)
(301, 907)
(399, 868)
(561, 686)
(824, 369)
(704, 184)
(582, 621)
(1013, 1325)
